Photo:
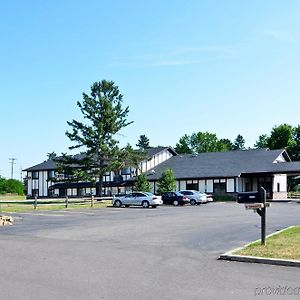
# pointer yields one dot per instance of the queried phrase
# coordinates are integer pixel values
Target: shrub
(224, 198)
(11, 186)
(167, 181)
(141, 183)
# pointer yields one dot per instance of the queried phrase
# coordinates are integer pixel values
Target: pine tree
(239, 143)
(105, 117)
(143, 142)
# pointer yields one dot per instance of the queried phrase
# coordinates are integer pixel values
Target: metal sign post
(257, 202)
(262, 212)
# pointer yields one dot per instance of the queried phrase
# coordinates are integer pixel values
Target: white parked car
(195, 196)
(143, 199)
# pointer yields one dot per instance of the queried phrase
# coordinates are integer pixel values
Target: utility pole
(12, 161)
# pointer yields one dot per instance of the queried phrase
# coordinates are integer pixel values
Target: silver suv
(195, 196)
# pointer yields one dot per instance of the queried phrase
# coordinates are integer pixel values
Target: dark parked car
(174, 198)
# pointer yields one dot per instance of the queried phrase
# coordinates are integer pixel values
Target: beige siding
(280, 186)
(230, 186)
(202, 186)
(182, 185)
(209, 186)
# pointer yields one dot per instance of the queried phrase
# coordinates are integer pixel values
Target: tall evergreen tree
(51, 155)
(239, 143)
(105, 116)
(143, 142)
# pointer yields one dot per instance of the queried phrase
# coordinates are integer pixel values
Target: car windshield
(179, 194)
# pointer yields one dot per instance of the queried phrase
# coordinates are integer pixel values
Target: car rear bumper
(156, 202)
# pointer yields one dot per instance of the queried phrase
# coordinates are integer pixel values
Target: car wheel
(145, 204)
(193, 202)
(118, 203)
(175, 203)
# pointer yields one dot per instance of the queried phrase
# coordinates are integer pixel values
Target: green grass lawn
(284, 245)
(9, 208)
(12, 197)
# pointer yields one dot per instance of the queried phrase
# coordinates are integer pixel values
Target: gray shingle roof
(51, 165)
(154, 150)
(44, 166)
(224, 164)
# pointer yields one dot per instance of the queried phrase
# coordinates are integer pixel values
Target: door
(139, 198)
(128, 199)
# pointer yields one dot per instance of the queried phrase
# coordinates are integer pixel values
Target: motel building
(217, 173)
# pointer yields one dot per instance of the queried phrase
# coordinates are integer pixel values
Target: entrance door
(62, 192)
(268, 187)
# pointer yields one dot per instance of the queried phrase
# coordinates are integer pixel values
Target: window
(51, 174)
(118, 178)
(126, 171)
(139, 195)
(80, 192)
(186, 193)
(192, 185)
(51, 193)
(62, 192)
(35, 192)
(35, 175)
(219, 187)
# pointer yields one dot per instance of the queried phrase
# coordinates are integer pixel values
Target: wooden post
(35, 202)
(66, 202)
(92, 201)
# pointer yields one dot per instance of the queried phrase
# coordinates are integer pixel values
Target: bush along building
(46, 179)
(219, 173)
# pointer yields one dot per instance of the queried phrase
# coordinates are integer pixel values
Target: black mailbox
(249, 197)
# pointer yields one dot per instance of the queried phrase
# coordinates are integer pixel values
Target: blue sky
(226, 67)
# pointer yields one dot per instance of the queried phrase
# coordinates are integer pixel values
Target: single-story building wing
(227, 173)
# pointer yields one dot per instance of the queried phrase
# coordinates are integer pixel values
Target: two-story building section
(44, 179)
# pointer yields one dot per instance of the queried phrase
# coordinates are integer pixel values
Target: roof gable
(218, 164)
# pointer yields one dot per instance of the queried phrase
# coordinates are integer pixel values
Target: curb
(262, 260)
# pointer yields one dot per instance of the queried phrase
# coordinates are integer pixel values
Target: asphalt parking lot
(136, 253)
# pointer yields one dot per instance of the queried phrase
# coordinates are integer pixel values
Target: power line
(12, 162)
